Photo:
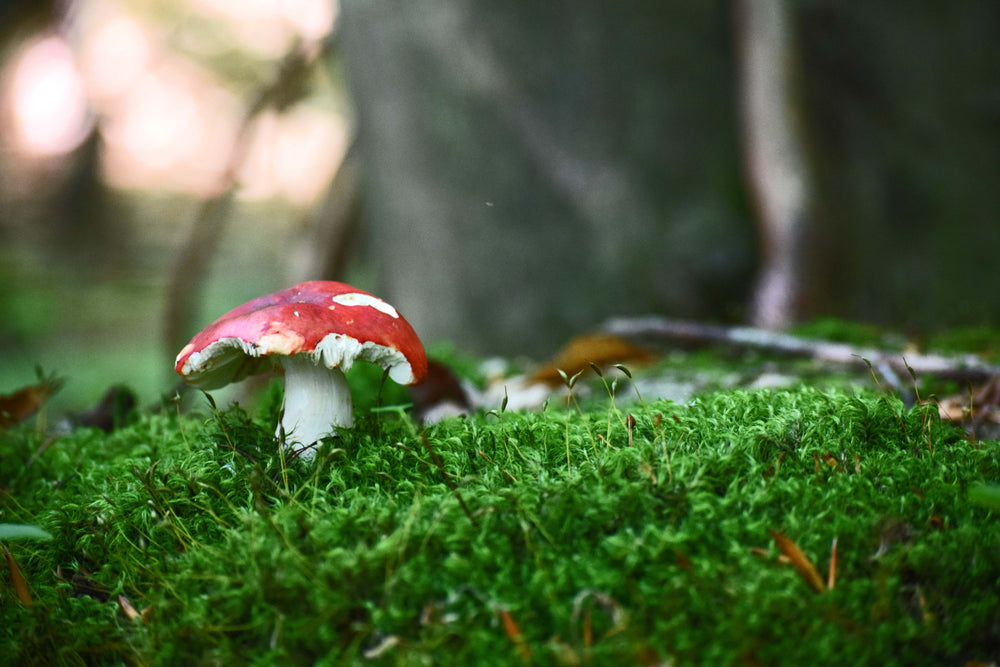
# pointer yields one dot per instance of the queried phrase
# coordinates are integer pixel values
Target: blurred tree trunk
(531, 168)
(774, 156)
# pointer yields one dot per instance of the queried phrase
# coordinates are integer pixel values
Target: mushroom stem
(317, 403)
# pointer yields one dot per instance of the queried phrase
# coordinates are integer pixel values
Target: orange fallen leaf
(799, 561)
(831, 574)
(20, 585)
(18, 406)
(513, 631)
(588, 629)
(591, 351)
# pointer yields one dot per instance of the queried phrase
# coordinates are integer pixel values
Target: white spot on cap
(355, 299)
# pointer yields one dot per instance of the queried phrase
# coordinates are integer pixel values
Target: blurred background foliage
(508, 174)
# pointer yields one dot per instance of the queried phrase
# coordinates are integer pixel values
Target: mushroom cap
(333, 323)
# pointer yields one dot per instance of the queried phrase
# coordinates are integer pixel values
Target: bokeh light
(168, 121)
(48, 104)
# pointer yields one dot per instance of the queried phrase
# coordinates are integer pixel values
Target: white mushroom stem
(317, 403)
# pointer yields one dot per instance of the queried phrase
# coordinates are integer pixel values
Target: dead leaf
(589, 351)
(20, 585)
(831, 574)
(799, 561)
(440, 394)
(84, 585)
(126, 605)
(18, 406)
(111, 412)
(978, 406)
(513, 631)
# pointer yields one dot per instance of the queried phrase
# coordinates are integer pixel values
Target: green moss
(407, 545)
(982, 340)
(842, 331)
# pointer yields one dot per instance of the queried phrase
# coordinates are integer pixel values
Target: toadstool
(315, 331)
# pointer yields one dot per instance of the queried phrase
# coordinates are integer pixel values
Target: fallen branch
(663, 330)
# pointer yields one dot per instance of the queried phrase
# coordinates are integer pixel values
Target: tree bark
(774, 158)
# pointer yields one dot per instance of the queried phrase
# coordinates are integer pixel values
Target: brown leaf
(513, 631)
(18, 406)
(111, 413)
(799, 561)
(831, 574)
(20, 585)
(590, 351)
(441, 387)
(980, 405)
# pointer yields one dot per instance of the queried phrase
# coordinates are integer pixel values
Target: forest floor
(709, 507)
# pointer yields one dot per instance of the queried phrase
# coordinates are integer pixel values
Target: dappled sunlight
(172, 128)
(115, 55)
(268, 27)
(278, 163)
(47, 107)
(168, 122)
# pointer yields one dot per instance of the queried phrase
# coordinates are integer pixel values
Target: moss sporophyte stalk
(641, 532)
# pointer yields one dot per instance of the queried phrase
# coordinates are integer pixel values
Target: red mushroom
(315, 331)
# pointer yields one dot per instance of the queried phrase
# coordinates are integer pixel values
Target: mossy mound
(643, 535)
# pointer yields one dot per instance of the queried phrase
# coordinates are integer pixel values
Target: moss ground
(640, 534)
